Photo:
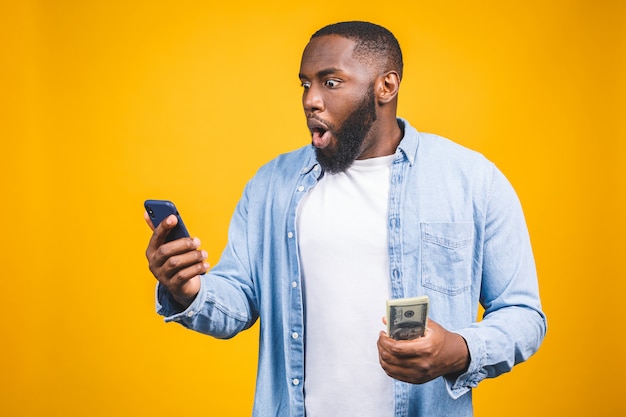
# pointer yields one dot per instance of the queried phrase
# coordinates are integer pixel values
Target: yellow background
(106, 103)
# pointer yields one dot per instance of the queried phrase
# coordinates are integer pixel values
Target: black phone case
(158, 210)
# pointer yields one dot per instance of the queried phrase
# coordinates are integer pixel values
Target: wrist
(458, 353)
(183, 302)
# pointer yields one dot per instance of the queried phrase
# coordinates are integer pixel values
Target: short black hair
(375, 45)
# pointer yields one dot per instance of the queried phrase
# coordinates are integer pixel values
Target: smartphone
(158, 210)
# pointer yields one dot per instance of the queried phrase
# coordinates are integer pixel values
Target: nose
(312, 100)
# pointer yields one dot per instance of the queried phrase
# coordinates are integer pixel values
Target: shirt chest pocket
(447, 256)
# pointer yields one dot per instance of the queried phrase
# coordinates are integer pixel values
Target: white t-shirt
(342, 238)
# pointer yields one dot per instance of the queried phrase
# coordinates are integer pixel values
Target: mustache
(314, 120)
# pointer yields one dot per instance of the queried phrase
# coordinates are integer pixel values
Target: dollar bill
(406, 317)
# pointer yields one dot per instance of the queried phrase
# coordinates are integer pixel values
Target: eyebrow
(322, 73)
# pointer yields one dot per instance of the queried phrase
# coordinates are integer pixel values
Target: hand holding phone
(178, 267)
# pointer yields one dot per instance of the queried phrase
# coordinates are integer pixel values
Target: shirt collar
(310, 162)
(410, 141)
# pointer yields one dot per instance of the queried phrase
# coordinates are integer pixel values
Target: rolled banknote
(407, 317)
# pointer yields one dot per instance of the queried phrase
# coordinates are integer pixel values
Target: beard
(350, 136)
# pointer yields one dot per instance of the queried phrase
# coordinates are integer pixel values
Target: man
(324, 235)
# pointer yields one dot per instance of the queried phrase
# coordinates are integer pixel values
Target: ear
(387, 87)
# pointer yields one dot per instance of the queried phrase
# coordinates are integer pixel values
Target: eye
(331, 83)
(305, 84)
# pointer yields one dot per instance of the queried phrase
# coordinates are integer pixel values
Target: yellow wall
(106, 103)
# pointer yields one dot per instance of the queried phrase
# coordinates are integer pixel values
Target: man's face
(338, 101)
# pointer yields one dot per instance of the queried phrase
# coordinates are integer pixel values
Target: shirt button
(295, 381)
(290, 235)
(190, 313)
(301, 188)
(294, 335)
(294, 284)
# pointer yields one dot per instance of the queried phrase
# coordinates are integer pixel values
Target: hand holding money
(437, 352)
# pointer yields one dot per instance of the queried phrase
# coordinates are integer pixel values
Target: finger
(403, 349)
(413, 369)
(411, 373)
(176, 263)
(162, 230)
(386, 350)
(175, 255)
(160, 233)
(186, 274)
(385, 343)
(394, 366)
(391, 345)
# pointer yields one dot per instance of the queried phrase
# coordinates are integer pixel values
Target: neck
(382, 140)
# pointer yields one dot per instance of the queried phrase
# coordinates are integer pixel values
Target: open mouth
(320, 135)
(320, 138)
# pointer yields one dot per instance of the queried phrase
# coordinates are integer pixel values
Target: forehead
(329, 52)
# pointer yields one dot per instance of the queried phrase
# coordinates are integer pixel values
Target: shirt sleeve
(513, 324)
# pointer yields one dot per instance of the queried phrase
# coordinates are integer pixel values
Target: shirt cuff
(475, 373)
(168, 307)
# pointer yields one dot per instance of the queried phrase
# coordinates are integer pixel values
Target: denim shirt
(456, 233)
